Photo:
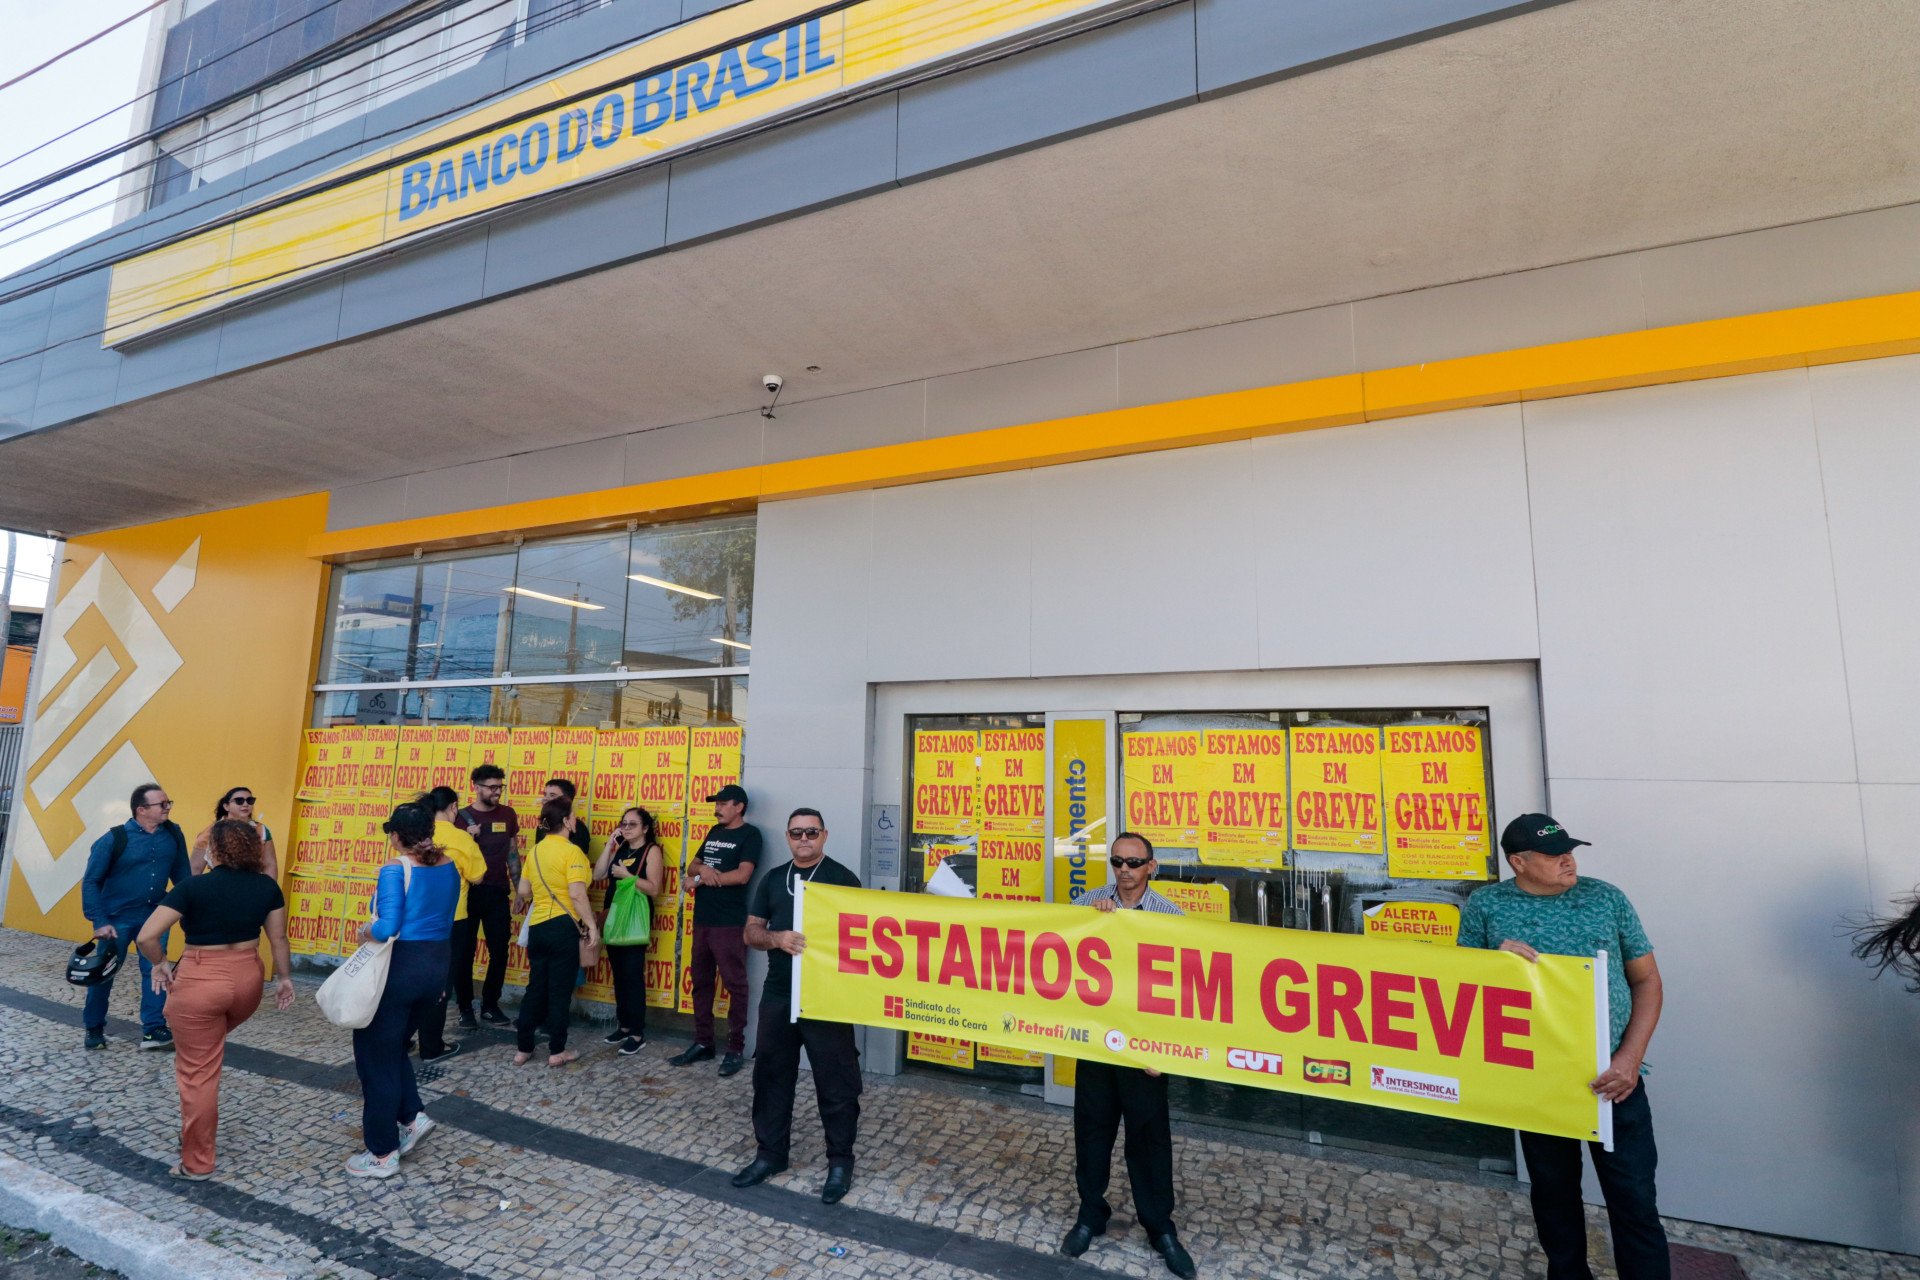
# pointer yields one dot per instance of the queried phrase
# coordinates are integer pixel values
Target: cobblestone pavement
(618, 1166)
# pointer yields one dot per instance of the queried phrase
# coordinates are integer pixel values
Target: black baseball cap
(1537, 833)
(732, 791)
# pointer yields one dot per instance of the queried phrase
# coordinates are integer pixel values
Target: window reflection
(691, 595)
(569, 600)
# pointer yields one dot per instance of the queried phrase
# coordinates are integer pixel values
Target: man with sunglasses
(496, 829)
(129, 870)
(829, 1045)
(1104, 1095)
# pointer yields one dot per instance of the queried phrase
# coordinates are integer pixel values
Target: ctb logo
(1256, 1060)
(1326, 1071)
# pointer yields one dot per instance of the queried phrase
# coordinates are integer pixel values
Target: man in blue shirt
(129, 870)
(1549, 907)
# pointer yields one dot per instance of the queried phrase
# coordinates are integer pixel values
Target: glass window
(569, 601)
(286, 115)
(465, 607)
(340, 92)
(224, 148)
(371, 632)
(691, 599)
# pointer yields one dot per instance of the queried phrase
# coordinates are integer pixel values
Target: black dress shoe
(758, 1172)
(839, 1182)
(731, 1064)
(691, 1054)
(1177, 1259)
(1080, 1237)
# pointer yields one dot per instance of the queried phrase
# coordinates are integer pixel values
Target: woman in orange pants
(217, 984)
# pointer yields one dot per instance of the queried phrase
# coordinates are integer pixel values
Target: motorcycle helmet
(92, 964)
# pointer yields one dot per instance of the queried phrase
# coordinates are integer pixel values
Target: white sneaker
(410, 1134)
(369, 1165)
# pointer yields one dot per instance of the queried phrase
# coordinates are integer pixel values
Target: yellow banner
(1466, 1034)
(1163, 779)
(1079, 782)
(1436, 798)
(946, 782)
(1244, 772)
(1336, 789)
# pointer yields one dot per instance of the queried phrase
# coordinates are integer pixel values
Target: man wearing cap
(1549, 908)
(717, 878)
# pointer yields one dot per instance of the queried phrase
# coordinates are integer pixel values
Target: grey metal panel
(476, 484)
(23, 323)
(19, 384)
(172, 360)
(607, 223)
(568, 42)
(376, 502)
(76, 378)
(405, 286)
(1249, 40)
(1141, 65)
(296, 321)
(79, 308)
(694, 8)
(836, 156)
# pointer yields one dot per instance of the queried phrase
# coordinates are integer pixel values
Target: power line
(73, 49)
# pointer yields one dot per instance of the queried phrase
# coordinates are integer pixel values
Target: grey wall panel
(19, 387)
(168, 361)
(79, 308)
(439, 276)
(837, 156)
(1251, 40)
(477, 484)
(615, 220)
(694, 8)
(693, 448)
(24, 323)
(1552, 304)
(1031, 391)
(1141, 65)
(1234, 357)
(299, 320)
(838, 424)
(568, 468)
(376, 502)
(76, 378)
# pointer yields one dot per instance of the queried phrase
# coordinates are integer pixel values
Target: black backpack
(120, 844)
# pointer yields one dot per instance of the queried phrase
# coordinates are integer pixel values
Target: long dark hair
(220, 807)
(652, 836)
(554, 815)
(412, 826)
(1893, 943)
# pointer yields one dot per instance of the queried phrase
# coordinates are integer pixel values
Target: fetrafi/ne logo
(73, 762)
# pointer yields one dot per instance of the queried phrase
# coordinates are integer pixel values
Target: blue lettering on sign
(687, 90)
(1076, 823)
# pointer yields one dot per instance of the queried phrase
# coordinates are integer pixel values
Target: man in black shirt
(717, 877)
(563, 789)
(829, 1045)
(496, 829)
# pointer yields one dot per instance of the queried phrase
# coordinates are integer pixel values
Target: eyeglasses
(158, 804)
(241, 800)
(1131, 863)
(489, 786)
(805, 833)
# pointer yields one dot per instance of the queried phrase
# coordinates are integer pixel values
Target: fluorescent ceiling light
(733, 643)
(541, 595)
(673, 586)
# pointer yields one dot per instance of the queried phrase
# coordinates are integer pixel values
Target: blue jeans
(153, 1005)
(389, 1092)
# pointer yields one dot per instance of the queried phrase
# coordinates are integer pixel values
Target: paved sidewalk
(619, 1166)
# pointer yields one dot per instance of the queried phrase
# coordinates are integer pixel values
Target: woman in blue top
(413, 905)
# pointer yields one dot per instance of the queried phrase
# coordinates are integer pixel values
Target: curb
(111, 1235)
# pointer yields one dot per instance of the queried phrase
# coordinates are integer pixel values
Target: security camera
(772, 382)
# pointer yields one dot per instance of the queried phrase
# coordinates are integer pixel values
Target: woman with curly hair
(237, 805)
(217, 984)
(1893, 943)
(413, 904)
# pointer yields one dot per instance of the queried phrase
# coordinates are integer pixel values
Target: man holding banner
(1104, 1094)
(1547, 907)
(829, 1045)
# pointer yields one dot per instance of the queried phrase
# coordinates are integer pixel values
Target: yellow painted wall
(179, 652)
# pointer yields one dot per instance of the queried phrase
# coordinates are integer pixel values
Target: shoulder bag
(351, 994)
(589, 949)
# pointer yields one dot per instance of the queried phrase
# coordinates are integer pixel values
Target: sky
(103, 75)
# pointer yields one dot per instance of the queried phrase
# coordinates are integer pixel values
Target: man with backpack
(129, 870)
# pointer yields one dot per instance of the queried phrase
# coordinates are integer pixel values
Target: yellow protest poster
(1079, 783)
(370, 847)
(1163, 779)
(356, 909)
(1457, 1032)
(662, 958)
(1012, 868)
(312, 832)
(940, 1049)
(936, 852)
(1413, 922)
(328, 909)
(1207, 901)
(488, 744)
(413, 769)
(946, 782)
(1435, 781)
(616, 775)
(1013, 784)
(529, 752)
(660, 766)
(349, 754)
(319, 747)
(713, 762)
(1335, 796)
(572, 759)
(452, 745)
(380, 752)
(303, 901)
(1244, 801)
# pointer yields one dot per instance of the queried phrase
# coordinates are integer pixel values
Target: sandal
(180, 1171)
(562, 1059)
(522, 1059)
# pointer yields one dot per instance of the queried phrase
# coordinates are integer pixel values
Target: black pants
(488, 907)
(1103, 1095)
(776, 1073)
(389, 1096)
(553, 968)
(629, 966)
(1626, 1181)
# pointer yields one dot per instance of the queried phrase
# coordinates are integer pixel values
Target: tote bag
(629, 919)
(351, 994)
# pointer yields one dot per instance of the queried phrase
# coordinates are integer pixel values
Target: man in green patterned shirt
(1548, 907)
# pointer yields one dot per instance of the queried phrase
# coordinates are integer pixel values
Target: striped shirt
(1149, 901)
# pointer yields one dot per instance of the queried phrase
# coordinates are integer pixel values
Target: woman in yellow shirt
(554, 879)
(444, 804)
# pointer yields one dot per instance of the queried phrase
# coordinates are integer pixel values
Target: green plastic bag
(630, 918)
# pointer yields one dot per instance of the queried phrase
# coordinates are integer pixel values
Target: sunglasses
(805, 833)
(241, 800)
(1131, 863)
